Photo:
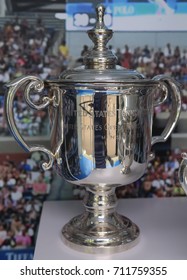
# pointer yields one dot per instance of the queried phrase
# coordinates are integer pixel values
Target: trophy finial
(100, 34)
(100, 56)
(100, 11)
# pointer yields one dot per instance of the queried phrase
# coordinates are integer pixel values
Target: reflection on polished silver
(183, 172)
(101, 118)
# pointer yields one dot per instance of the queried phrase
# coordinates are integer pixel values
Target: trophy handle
(37, 85)
(174, 89)
(183, 172)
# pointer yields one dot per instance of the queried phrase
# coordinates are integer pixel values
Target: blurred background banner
(129, 15)
(17, 254)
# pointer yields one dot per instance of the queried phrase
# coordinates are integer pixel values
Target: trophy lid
(100, 64)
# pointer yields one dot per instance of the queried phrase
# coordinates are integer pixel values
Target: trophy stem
(100, 229)
(100, 200)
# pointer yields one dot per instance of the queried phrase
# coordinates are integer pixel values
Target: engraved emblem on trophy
(101, 118)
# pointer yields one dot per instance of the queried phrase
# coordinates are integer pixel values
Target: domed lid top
(100, 62)
(118, 74)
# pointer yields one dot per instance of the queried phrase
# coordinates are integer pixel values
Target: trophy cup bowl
(101, 119)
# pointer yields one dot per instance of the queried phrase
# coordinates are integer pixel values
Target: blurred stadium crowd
(25, 50)
(23, 188)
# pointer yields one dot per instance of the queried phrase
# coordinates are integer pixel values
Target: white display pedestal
(162, 222)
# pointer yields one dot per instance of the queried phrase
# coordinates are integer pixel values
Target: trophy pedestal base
(162, 223)
(100, 229)
(94, 234)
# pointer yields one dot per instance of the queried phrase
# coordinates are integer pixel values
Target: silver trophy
(183, 172)
(101, 119)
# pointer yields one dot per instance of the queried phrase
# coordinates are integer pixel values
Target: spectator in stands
(127, 58)
(119, 56)
(64, 52)
(168, 51)
(84, 50)
(23, 239)
(146, 189)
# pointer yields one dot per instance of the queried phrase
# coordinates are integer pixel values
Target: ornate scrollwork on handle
(160, 95)
(38, 85)
(45, 165)
(31, 83)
